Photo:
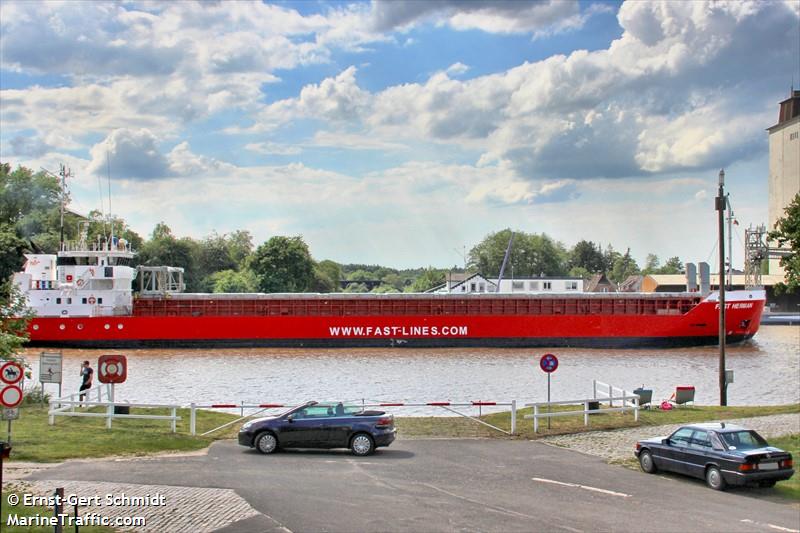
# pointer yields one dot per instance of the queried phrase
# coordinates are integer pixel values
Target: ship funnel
(691, 277)
(705, 278)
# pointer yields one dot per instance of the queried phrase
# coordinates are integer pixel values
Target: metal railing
(447, 406)
(629, 403)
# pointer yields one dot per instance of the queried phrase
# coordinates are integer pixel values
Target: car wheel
(361, 444)
(714, 478)
(266, 443)
(647, 463)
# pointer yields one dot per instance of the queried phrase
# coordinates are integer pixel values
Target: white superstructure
(83, 279)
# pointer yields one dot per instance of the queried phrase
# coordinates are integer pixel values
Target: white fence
(602, 392)
(66, 406)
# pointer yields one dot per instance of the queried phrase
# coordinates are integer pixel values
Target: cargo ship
(84, 296)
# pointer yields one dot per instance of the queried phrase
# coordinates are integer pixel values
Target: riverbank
(33, 440)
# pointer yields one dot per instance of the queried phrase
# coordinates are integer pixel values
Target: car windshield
(743, 440)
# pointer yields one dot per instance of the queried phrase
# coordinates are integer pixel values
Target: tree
(674, 265)
(14, 316)
(11, 248)
(624, 266)
(651, 264)
(587, 256)
(283, 264)
(331, 270)
(531, 255)
(163, 249)
(233, 281)
(429, 279)
(787, 232)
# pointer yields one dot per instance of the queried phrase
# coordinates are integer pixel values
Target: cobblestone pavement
(617, 445)
(182, 509)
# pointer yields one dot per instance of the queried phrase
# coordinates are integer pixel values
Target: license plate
(768, 466)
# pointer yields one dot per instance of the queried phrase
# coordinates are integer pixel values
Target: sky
(398, 133)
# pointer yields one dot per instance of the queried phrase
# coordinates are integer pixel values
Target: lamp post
(720, 205)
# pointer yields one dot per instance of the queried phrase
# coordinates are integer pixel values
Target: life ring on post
(91, 300)
(79, 283)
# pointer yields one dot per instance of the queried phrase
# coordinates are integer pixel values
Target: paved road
(447, 485)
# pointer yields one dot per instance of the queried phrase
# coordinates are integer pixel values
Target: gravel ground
(617, 445)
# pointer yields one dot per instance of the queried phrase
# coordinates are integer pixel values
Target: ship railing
(590, 406)
(66, 406)
(445, 405)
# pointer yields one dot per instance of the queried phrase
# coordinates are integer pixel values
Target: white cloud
(271, 148)
(492, 16)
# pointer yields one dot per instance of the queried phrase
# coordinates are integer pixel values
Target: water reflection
(767, 371)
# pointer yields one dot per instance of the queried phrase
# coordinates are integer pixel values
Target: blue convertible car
(320, 425)
(722, 454)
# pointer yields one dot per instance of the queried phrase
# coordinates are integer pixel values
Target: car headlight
(247, 425)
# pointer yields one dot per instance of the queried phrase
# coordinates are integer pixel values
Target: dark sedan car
(320, 425)
(722, 454)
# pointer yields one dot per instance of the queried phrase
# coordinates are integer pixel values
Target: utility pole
(720, 205)
(64, 173)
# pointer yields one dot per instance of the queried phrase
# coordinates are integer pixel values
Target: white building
(477, 283)
(784, 164)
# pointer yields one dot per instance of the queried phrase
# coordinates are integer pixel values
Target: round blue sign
(548, 363)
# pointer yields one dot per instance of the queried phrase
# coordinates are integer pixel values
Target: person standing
(86, 379)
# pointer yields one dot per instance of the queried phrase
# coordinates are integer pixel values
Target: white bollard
(192, 419)
(174, 420)
(535, 419)
(585, 413)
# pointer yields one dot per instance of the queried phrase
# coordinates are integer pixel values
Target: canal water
(767, 371)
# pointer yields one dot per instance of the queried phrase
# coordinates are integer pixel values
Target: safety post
(174, 419)
(192, 419)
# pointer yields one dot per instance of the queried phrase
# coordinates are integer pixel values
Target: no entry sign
(548, 363)
(10, 396)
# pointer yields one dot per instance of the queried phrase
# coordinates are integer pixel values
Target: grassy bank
(77, 437)
(462, 427)
(72, 437)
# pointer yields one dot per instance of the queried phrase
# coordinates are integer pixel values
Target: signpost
(50, 370)
(548, 363)
(11, 374)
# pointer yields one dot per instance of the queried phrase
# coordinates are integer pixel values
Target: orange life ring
(92, 300)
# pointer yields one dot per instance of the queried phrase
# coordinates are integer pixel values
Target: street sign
(9, 413)
(50, 367)
(11, 372)
(112, 368)
(548, 363)
(10, 396)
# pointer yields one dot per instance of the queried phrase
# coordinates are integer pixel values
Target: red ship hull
(435, 322)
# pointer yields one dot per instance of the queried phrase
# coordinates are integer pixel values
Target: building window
(517, 286)
(58, 300)
(473, 287)
(69, 300)
(793, 136)
(572, 285)
(482, 287)
(83, 300)
(533, 285)
(547, 285)
(99, 300)
(463, 288)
